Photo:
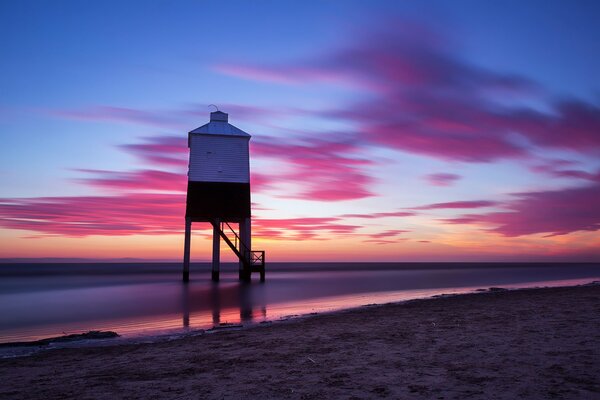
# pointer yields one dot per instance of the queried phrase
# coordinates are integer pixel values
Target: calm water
(42, 300)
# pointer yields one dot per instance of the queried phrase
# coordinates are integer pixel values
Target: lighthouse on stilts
(219, 192)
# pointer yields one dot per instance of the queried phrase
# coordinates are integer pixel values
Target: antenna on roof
(212, 105)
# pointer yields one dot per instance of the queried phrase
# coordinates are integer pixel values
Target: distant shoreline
(4, 261)
(41, 268)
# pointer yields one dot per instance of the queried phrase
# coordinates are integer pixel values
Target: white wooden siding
(219, 159)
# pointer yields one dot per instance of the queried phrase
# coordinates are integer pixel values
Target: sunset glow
(376, 136)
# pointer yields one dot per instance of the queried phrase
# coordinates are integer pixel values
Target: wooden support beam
(186, 250)
(245, 237)
(216, 257)
(186, 305)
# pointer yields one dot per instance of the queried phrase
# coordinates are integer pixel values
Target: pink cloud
(326, 170)
(466, 219)
(301, 228)
(380, 215)
(139, 213)
(260, 181)
(388, 233)
(458, 204)
(384, 241)
(143, 180)
(442, 179)
(78, 216)
(386, 237)
(557, 169)
(554, 212)
(166, 151)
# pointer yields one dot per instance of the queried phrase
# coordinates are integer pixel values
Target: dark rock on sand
(65, 338)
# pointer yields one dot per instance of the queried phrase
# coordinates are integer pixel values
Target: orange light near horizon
(463, 246)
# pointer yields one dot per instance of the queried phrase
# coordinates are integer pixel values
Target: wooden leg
(264, 266)
(186, 249)
(216, 258)
(245, 236)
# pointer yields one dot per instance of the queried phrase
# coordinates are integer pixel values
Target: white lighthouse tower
(219, 192)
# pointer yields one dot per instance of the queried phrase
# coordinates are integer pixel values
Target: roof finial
(212, 105)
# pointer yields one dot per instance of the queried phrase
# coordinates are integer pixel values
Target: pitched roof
(218, 125)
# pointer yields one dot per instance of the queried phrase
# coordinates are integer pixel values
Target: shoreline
(148, 305)
(92, 338)
(531, 342)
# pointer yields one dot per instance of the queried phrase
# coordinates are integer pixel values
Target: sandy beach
(531, 343)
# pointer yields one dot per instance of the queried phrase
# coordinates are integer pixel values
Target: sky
(381, 130)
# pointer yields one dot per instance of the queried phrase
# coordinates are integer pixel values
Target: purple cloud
(553, 212)
(458, 204)
(559, 168)
(442, 179)
(301, 228)
(165, 151)
(425, 99)
(380, 215)
(142, 180)
(326, 170)
(386, 237)
(78, 216)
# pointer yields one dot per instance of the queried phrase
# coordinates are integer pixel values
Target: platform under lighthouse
(219, 193)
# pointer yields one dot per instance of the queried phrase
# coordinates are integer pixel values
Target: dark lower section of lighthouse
(225, 205)
(227, 201)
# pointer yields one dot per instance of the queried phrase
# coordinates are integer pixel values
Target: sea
(142, 300)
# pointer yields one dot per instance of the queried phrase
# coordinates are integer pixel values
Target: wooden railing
(250, 258)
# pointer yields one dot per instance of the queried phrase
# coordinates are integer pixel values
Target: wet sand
(531, 343)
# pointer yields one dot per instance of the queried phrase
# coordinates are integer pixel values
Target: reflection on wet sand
(218, 300)
(36, 305)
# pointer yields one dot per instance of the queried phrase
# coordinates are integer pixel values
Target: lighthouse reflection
(222, 303)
